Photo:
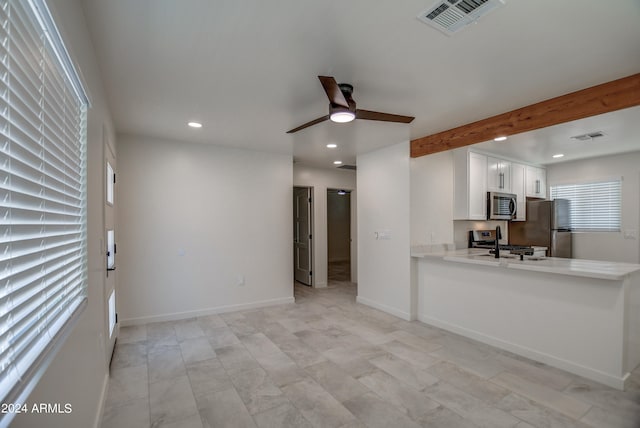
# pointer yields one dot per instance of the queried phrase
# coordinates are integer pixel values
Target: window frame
(585, 193)
(52, 131)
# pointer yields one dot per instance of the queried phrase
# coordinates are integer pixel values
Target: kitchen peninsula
(581, 316)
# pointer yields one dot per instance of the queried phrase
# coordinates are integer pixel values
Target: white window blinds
(594, 206)
(42, 196)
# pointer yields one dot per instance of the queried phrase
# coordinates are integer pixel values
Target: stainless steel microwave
(501, 206)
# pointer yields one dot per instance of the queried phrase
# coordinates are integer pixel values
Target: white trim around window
(43, 204)
(595, 206)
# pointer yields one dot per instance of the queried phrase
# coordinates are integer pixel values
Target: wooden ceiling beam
(604, 98)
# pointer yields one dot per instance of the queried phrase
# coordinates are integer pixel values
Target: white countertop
(561, 266)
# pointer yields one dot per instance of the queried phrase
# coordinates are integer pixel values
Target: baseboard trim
(103, 400)
(384, 308)
(203, 312)
(551, 360)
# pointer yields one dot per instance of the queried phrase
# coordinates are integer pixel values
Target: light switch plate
(383, 235)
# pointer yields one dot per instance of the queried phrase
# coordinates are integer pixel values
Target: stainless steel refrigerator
(548, 225)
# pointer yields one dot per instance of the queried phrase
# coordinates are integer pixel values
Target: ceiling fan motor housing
(347, 91)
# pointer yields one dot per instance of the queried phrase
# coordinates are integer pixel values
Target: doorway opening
(339, 235)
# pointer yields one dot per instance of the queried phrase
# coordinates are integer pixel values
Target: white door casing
(110, 199)
(302, 237)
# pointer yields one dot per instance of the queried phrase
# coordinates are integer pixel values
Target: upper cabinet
(469, 185)
(498, 175)
(477, 173)
(518, 187)
(536, 182)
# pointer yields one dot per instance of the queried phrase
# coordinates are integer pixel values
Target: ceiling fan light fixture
(342, 116)
(342, 107)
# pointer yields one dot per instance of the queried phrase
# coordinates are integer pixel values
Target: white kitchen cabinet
(469, 185)
(518, 187)
(498, 175)
(536, 182)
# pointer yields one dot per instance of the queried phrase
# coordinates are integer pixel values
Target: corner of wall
(384, 262)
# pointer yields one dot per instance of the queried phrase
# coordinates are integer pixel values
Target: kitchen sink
(513, 256)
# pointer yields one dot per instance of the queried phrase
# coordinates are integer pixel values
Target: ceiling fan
(342, 107)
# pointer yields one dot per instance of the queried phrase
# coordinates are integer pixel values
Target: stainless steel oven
(501, 206)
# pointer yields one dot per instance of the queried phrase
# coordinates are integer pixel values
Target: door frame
(312, 253)
(350, 192)
(110, 223)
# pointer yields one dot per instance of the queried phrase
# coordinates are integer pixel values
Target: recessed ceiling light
(195, 124)
(559, 155)
(337, 162)
(500, 138)
(332, 146)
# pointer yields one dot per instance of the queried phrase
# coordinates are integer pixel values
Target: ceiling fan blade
(333, 91)
(308, 124)
(385, 117)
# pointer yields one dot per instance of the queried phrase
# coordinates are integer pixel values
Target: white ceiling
(248, 69)
(621, 131)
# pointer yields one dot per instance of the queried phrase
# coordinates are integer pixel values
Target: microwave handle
(512, 207)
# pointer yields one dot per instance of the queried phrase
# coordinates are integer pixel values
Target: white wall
(194, 220)
(611, 246)
(432, 199)
(322, 179)
(78, 373)
(384, 205)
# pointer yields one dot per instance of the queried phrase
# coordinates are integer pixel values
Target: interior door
(111, 317)
(302, 237)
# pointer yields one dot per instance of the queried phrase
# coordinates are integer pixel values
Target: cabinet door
(477, 186)
(505, 176)
(518, 187)
(542, 182)
(536, 182)
(493, 175)
(498, 175)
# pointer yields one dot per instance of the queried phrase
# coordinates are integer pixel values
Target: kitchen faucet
(498, 237)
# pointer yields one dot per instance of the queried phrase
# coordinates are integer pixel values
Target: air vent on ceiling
(353, 167)
(589, 136)
(450, 16)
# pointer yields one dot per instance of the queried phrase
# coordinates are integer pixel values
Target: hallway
(326, 361)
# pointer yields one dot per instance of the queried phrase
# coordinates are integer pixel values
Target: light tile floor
(326, 361)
